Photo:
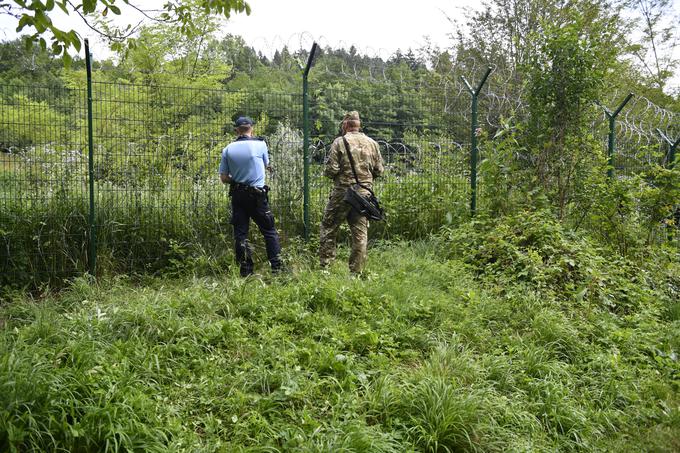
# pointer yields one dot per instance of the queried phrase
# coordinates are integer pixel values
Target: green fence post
(473, 140)
(305, 141)
(92, 250)
(611, 143)
(671, 164)
(673, 148)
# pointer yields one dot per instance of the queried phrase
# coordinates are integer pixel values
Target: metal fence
(155, 165)
(155, 156)
(425, 152)
(43, 182)
(127, 174)
(143, 193)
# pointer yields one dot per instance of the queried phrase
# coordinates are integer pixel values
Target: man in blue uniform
(243, 167)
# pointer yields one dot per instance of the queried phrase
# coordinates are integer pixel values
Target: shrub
(534, 248)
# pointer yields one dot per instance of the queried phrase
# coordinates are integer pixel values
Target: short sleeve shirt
(245, 160)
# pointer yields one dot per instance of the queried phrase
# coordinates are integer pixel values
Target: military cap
(243, 121)
(351, 116)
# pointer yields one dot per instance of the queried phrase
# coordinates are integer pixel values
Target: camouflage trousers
(336, 212)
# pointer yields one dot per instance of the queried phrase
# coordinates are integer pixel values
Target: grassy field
(426, 353)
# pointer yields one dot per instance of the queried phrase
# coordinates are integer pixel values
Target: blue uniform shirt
(245, 160)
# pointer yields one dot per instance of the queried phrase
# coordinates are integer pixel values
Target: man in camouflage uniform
(369, 164)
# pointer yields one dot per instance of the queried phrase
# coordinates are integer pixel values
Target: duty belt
(250, 189)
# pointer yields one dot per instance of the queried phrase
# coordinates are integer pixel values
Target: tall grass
(424, 354)
(140, 227)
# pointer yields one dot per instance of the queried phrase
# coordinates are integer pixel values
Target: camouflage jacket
(367, 160)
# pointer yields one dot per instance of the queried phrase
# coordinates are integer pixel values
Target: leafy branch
(95, 14)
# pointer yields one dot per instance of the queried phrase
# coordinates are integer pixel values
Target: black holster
(256, 191)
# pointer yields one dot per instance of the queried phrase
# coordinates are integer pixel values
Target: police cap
(243, 121)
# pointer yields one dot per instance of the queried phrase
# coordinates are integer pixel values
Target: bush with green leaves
(534, 248)
(630, 213)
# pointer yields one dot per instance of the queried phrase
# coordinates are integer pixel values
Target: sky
(374, 27)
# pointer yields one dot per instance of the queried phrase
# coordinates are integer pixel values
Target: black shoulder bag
(367, 206)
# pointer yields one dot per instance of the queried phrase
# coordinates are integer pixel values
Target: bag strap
(351, 159)
(351, 162)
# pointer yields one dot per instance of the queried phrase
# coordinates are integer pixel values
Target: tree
(185, 15)
(566, 73)
(501, 34)
(20, 66)
(659, 41)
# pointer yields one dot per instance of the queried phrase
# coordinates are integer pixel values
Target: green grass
(424, 354)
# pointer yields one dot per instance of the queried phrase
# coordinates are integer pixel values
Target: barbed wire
(638, 124)
(643, 114)
(500, 98)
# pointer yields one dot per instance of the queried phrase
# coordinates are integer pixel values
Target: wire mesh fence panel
(638, 142)
(422, 142)
(159, 197)
(636, 153)
(43, 183)
(644, 134)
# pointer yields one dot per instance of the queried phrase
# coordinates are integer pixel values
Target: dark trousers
(246, 205)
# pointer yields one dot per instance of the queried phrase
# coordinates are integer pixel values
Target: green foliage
(504, 175)
(19, 111)
(659, 198)
(534, 248)
(45, 238)
(417, 204)
(184, 16)
(610, 212)
(566, 74)
(629, 213)
(19, 67)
